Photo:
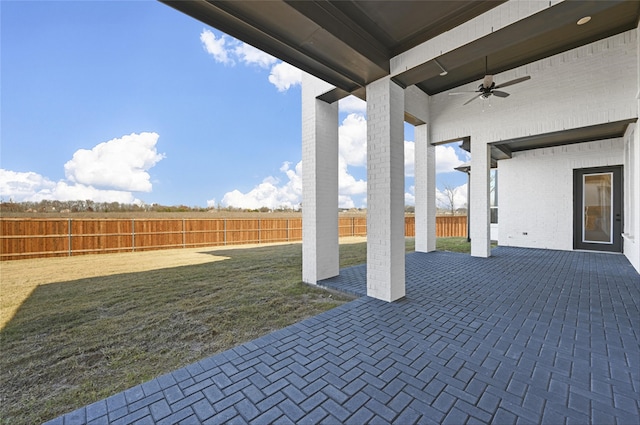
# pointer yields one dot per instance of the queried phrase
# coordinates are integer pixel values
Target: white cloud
(352, 152)
(32, 187)
(216, 47)
(459, 197)
(345, 202)
(107, 173)
(348, 185)
(410, 196)
(268, 193)
(284, 76)
(227, 50)
(352, 134)
(249, 55)
(20, 186)
(447, 159)
(120, 164)
(352, 104)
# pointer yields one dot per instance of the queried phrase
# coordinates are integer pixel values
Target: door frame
(617, 206)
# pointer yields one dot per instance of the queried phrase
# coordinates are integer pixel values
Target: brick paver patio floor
(526, 336)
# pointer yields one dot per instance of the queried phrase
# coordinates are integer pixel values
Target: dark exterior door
(597, 208)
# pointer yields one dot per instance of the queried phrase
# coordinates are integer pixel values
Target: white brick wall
(631, 233)
(416, 104)
(425, 190)
(536, 192)
(632, 181)
(385, 190)
(320, 254)
(590, 85)
(593, 84)
(479, 228)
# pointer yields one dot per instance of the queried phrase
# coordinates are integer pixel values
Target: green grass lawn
(72, 343)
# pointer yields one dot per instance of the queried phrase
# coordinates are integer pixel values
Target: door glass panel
(597, 200)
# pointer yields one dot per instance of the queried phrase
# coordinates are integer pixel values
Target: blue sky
(132, 101)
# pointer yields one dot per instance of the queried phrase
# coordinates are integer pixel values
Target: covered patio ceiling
(350, 43)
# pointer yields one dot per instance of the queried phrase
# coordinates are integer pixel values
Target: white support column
(480, 202)
(320, 255)
(425, 189)
(385, 190)
(631, 207)
(416, 106)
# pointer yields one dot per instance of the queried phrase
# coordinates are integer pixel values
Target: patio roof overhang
(350, 43)
(505, 148)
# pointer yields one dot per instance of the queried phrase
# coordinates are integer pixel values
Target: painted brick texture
(385, 190)
(425, 190)
(590, 85)
(536, 192)
(631, 234)
(416, 107)
(320, 183)
(479, 228)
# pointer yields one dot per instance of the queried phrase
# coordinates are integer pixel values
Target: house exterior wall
(589, 85)
(631, 232)
(536, 192)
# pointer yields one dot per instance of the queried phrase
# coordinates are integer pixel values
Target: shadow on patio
(527, 335)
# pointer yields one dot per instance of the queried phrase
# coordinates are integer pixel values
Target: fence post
(183, 234)
(225, 232)
(287, 230)
(259, 231)
(70, 238)
(133, 235)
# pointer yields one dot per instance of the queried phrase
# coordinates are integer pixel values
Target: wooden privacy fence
(35, 237)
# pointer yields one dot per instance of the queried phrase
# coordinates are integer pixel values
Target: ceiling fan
(488, 87)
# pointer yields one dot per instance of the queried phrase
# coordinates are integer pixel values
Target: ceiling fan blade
(462, 92)
(488, 80)
(499, 93)
(512, 82)
(471, 100)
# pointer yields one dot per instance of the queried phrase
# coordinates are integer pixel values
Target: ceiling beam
(232, 18)
(329, 17)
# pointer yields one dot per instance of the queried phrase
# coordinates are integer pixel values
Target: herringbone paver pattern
(526, 336)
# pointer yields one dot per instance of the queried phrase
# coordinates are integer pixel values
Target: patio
(525, 336)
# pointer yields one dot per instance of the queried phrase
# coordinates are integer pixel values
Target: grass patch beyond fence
(80, 329)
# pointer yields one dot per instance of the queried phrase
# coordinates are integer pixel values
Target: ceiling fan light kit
(583, 20)
(488, 87)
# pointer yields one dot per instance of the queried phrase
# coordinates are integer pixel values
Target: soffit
(544, 34)
(346, 43)
(609, 130)
(349, 43)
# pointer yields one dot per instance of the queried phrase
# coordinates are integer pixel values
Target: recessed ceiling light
(584, 20)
